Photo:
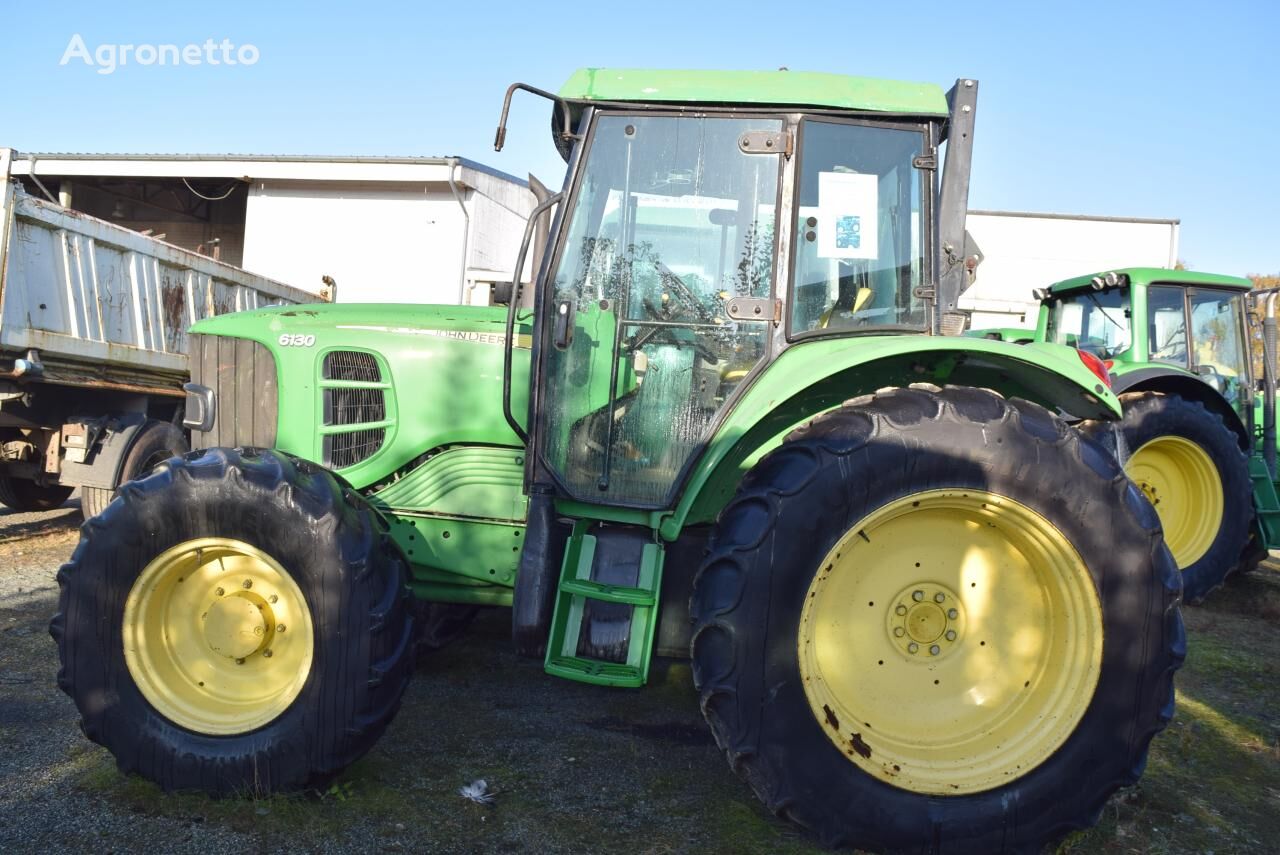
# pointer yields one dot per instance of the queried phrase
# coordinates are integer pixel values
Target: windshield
(1094, 321)
(858, 228)
(672, 225)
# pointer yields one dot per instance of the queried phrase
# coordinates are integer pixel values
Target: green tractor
(1195, 433)
(923, 612)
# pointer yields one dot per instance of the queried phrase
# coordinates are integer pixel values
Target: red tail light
(1097, 366)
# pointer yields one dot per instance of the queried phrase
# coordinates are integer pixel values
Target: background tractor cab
(1178, 347)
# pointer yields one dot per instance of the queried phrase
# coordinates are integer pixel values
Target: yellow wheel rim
(217, 636)
(950, 642)
(1184, 486)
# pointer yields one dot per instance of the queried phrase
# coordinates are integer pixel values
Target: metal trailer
(93, 345)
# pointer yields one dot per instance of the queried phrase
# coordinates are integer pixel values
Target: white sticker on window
(847, 215)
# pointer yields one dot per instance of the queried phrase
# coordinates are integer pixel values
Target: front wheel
(936, 620)
(237, 622)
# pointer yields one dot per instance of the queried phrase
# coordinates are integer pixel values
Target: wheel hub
(925, 620)
(236, 627)
(1182, 483)
(973, 674)
(217, 636)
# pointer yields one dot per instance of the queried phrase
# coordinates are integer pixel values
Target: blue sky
(1151, 109)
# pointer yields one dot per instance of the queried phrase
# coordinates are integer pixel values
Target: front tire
(1012, 554)
(1190, 465)
(237, 622)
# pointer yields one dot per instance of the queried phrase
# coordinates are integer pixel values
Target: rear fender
(813, 377)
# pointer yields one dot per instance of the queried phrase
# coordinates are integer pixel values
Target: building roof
(789, 88)
(1156, 276)
(278, 166)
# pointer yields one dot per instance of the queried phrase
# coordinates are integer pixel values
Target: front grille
(354, 406)
(347, 449)
(242, 375)
(351, 365)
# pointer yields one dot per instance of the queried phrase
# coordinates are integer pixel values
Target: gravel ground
(575, 768)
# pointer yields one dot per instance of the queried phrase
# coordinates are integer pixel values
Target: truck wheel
(238, 623)
(935, 620)
(156, 442)
(22, 494)
(1189, 464)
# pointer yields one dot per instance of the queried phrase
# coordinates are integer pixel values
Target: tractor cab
(1144, 319)
(710, 221)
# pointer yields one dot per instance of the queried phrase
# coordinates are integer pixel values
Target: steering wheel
(685, 292)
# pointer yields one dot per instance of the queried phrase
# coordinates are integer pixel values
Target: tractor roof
(1156, 276)
(783, 88)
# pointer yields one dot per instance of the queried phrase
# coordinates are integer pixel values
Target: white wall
(1024, 252)
(386, 242)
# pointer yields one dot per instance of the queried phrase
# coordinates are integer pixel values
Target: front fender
(815, 376)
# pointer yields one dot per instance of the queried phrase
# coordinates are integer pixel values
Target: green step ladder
(577, 588)
(1264, 496)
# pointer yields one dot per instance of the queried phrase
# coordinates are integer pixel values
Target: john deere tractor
(923, 612)
(1195, 434)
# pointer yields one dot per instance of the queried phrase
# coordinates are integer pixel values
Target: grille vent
(351, 365)
(352, 406)
(347, 449)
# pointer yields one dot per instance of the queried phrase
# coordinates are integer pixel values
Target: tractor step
(1266, 501)
(606, 609)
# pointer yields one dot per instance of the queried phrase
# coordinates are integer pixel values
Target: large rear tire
(1190, 466)
(937, 621)
(22, 494)
(156, 442)
(237, 622)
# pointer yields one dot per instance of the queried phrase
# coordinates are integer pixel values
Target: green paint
(442, 366)
(783, 88)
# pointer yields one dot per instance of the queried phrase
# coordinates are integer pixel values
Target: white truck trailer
(93, 346)
(1023, 251)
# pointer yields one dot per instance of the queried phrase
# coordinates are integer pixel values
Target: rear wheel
(1190, 466)
(903, 637)
(237, 622)
(156, 442)
(22, 494)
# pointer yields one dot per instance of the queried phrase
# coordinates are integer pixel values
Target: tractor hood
(428, 377)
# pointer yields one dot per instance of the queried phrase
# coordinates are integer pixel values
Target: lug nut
(239, 661)
(899, 631)
(248, 583)
(917, 595)
(951, 635)
(952, 614)
(266, 654)
(939, 597)
(902, 610)
(912, 647)
(935, 650)
(272, 598)
(219, 592)
(280, 627)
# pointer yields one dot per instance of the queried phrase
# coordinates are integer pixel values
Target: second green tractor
(1195, 432)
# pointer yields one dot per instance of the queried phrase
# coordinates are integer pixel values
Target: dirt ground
(578, 768)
